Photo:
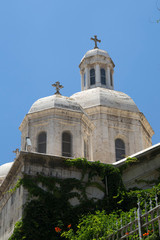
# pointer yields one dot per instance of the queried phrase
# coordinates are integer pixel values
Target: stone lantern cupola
(96, 68)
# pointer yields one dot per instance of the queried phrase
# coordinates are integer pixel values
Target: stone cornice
(112, 111)
(56, 111)
(123, 113)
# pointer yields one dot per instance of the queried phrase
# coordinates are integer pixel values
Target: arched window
(92, 76)
(42, 142)
(66, 144)
(103, 76)
(120, 149)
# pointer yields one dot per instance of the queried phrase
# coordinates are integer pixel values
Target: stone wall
(143, 173)
(11, 204)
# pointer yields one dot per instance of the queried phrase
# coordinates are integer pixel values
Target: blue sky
(42, 42)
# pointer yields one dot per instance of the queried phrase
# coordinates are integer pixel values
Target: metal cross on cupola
(58, 86)
(95, 39)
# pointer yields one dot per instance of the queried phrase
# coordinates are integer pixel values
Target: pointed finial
(58, 87)
(95, 39)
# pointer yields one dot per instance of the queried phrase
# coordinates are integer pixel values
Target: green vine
(49, 199)
(128, 163)
(49, 211)
(17, 185)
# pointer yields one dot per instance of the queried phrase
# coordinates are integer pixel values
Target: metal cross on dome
(58, 86)
(95, 39)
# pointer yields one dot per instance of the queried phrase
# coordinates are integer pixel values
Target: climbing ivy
(48, 210)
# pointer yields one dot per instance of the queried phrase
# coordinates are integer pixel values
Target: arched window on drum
(66, 144)
(42, 142)
(119, 149)
(103, 76)
(92, 76)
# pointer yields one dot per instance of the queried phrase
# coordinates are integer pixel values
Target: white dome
(4, 169)
(55, 101)
(105, 97)
(95, 52)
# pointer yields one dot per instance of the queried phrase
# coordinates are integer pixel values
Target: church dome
(105, 97)
(94, 52)
(4, 169)
(55, 101)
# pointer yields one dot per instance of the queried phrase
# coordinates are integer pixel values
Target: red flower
(127, 233)
(57, 229)
(145, 234)
(69, 226)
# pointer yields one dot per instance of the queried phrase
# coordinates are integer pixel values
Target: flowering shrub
(57, 229)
